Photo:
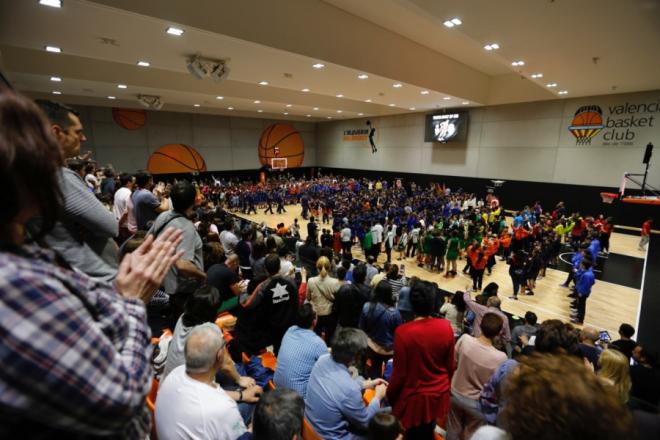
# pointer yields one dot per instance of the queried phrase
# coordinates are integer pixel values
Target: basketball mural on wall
(281, 141)
(129, 118)
(587, 123)
(175, 158)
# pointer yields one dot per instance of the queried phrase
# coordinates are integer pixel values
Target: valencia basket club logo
(587, 123)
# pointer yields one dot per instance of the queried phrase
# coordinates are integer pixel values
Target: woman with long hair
(615, 371)
(321, 291)
(454, 311)
(396, 280)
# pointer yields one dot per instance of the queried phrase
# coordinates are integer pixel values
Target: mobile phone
(605, 336)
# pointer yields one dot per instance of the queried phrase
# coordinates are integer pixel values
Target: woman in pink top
(476, 360)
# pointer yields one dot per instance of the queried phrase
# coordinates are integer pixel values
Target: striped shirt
(74, 353)
(300, 350)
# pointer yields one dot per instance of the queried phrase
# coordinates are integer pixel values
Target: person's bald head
(590, 334)
(494, 301)
(203, 350)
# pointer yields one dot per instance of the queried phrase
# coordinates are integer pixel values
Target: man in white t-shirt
(345, 235)
(228, 239)
(120, 206)
(190, 404)
(377, 239)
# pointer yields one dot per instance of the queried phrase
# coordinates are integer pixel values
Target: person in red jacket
(505, 243)
(478, 257)
(646, 233)
(606, 229)
(419, 390)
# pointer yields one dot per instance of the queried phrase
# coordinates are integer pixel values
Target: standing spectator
(334, 405)
(145, 204)
(419, 390)
(84, 231)
(350, 298)
(312, 230)
(476, 360)
(492, 306)
(454, 310)
(379, 319)
(300, 350)
(120, 206)
(321, 291)
(625, 344)
(228, 239)
(396, 280)
(646, 234)
(108, 182)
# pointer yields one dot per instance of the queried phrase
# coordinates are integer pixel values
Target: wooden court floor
(608, 306)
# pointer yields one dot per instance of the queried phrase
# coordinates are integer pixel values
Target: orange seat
(368, 395)
(308, 432)
(268, 360)
(151, 404)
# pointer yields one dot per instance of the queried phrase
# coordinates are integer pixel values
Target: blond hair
(323, 265)
(615, 370)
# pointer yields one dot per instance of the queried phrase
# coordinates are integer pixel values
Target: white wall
(529, 142)
(226, 143)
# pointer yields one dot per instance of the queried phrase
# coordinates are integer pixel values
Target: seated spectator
(528, 328)
(190, 404)
(278, 416)
(75, 351)
(334, 405)
(454, 310)
(300, 350)
(423, 366)
(590, 351)
(351, 298)
(379, 319)
(645, 378)
(554, 397)
(321, 291)
(625, 344)
(384, 426)
(224, 277)
(614, 371)
(476, 360)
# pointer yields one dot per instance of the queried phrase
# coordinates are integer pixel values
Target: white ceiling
(392, 41)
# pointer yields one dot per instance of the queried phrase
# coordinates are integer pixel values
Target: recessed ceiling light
(551, 85)
(447, 98)
(339, 95)
(263, 83)
(457, 21)
(111, 97)
(143, 63)
(367, 100)
(449, 24)
(195, 105)
(397, 85)
(492, 46)
(563, 92)
(53, 49)
(315, 109)
(289, 106)
(220, 97)
(329, 117)
(424, 92)
(285, 113)
(51, 3)
(411, 108)
(174, 31)
(121, 86)
(391, 105)
(260, 111)
(318, 66)
(56, 79)
(537, 75)
(56, 92)
(518, 63)
(363, 76)
(465, 102)
(257, 102)
(360, 114)
(230, 108)
(309, 116)
(339, 111)
(305, 90)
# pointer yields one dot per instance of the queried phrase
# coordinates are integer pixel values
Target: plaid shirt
(75, 354)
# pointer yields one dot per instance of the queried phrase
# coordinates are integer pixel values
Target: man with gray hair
(190, 404)
(334, 403)
(492, 306)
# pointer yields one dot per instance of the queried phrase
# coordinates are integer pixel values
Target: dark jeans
(571, 277)
(346, 247)
(388, 252)
(421, 432)
(325, 327)
(517, 283)
(377, 360)
(412, 246)
(581, 307)
(477, 278)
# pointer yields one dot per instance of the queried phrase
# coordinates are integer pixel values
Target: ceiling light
(51, 3)
(446, 98)
(305, 90)
(391, 105)
(411, 108)
(257, 102)
(316, 109)
(56, 79)
(329, 117)
(537, 75)
(367, 100)
(285, 113)
(263, 83)
(289, 106)
(397, 85)
(492, 46)
(449, 24)
(143, 63)
(424, 92)
(309, 116)
(563, 92)
(121, 86)
(111, 97)
(56, 92)
(53, 49)
(360, 114)
(195, 105)
(457, 21)
(220, 97)
(174, 31)
(230, 108)
(260, 111)
(363, 76)
(318, 66)
(340, 96)
(518, 63)
(551, 85)
(465, 102)
(339, 111)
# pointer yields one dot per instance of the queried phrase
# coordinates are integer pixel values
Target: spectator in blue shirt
(584, 280)
(334, 405)
(300, 350)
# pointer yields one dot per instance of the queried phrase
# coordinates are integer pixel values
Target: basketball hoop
(278, 163)
(608, 198)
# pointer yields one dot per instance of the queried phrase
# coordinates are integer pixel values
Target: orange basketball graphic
(128, 118)
(175, 158)
(281, 141)
(587, 123)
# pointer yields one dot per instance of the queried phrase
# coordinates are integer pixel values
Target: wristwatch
(240, 396)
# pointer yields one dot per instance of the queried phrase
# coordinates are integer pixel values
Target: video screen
(446, 127)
